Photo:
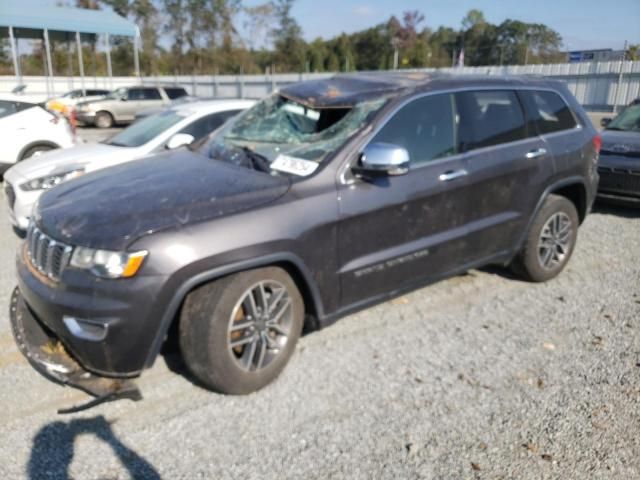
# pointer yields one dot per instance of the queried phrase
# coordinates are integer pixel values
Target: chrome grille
(47, 255)
(11, 195)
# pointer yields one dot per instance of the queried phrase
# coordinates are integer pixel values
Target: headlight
(50, 181)
(108, 264)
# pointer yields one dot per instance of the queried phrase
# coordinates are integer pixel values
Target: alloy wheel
(260, 325)
(555, 240)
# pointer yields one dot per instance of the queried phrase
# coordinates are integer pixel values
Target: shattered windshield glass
(280, 129)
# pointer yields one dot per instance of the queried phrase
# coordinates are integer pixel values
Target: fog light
(86, 329)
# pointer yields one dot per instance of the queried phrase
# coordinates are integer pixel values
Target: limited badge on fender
(294, 165)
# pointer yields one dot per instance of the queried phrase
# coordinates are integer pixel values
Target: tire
(206, 333)
(548, 245)
(104, 120)
(31, 151)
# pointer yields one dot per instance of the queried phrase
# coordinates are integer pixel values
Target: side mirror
(179, 140)
(604, 122)
(383, 159)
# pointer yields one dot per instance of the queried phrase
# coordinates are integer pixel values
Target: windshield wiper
(258, 161)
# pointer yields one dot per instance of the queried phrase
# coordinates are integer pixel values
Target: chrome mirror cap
(384, 158)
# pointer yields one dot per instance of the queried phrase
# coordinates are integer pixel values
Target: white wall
(595, 85)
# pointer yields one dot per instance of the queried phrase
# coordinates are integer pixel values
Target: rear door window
(490, 117)
(426, 127)
(548, 112)
(144, 94)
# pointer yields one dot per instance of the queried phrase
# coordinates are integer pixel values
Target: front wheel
(238, 333)
(104, 120)
(550, 240)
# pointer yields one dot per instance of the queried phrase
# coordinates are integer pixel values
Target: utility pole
(395, 43)
(619, 85)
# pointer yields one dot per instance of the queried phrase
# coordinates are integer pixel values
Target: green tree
(290, 47)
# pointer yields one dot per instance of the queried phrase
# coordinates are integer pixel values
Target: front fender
(310, 289)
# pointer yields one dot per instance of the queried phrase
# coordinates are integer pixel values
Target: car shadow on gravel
(617, 209)
(52, 450)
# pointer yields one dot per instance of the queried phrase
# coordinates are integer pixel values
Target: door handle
(452, 175)
(538, 152)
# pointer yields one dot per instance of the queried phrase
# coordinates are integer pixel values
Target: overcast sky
(583, 24)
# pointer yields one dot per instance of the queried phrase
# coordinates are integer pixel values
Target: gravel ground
(479, 376)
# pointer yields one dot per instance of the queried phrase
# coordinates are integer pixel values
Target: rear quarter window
(548, 112)
(175, 92)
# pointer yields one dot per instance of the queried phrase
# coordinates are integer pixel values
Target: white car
(26, 128)
(171, 128)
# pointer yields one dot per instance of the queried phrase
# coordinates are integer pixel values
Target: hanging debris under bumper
(48, 356)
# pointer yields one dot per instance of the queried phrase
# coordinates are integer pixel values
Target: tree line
(184, 37)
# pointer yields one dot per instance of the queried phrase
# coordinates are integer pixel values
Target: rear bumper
(48, 356)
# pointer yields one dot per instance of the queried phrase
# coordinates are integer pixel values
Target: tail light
(597, 143)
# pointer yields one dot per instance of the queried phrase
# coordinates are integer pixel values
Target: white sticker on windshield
(294, 165)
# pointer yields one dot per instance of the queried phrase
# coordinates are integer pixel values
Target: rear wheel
(36, 150)
(550, 241)
(238, 333)
(104, 120)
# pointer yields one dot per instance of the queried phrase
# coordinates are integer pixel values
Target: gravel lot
(479, 376)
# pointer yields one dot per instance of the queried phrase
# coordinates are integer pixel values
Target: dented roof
(349, 89)
(346, 90)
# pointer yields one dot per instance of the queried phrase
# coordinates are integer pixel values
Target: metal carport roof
(39, 20)
(40, 16)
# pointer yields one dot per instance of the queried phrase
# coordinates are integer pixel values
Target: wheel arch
(576, 193)
(572, 188)
(291, 263)
(37, 143)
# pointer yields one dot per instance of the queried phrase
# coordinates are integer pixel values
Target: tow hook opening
(48, 356)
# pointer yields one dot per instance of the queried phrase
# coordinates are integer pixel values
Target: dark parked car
(323, 199)
(619, 164)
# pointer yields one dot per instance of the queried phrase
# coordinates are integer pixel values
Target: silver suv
(121, 105)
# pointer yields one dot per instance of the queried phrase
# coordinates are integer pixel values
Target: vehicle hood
(113, 207)
(613, 141)
(620, 149)
(61, 160)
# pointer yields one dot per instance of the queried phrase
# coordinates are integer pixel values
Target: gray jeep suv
(322, 199)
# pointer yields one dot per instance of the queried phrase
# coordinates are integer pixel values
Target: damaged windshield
(282, 135)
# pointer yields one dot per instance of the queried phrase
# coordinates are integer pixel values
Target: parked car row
(168, 129)
(319, 200)
(121, 105)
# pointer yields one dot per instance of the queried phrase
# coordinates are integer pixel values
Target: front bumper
(120, 319)
(4, 167)
(86, 117)
(619, 178)
(48, 356)
(20, 204)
